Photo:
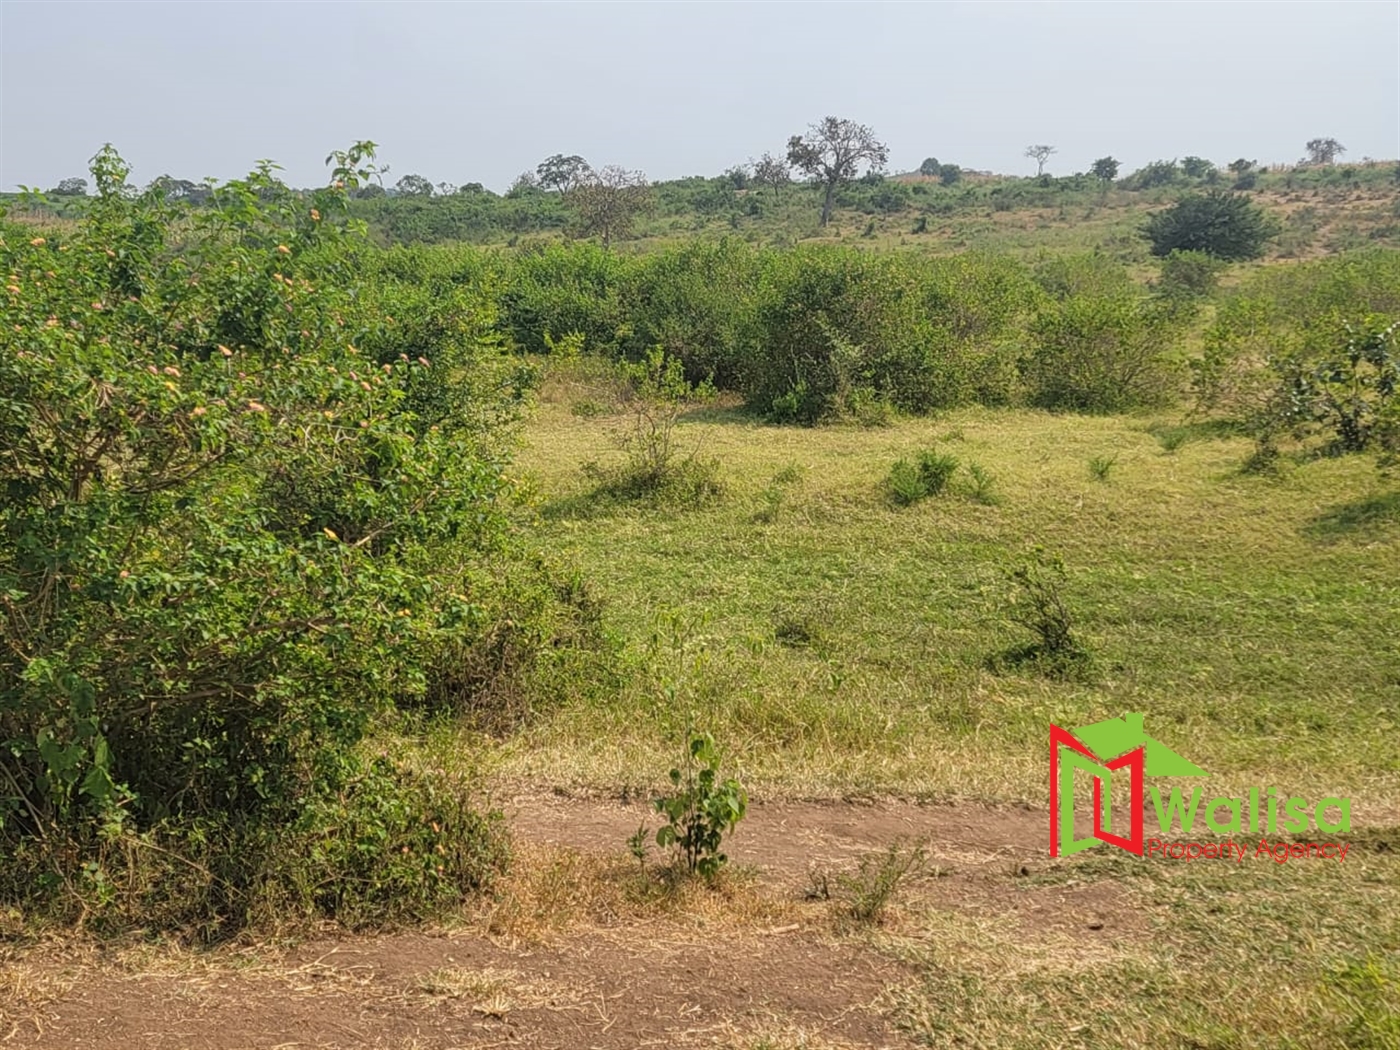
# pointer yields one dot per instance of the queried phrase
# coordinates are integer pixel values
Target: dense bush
(1288, 314)
(1219, 223)
(243, 490)
(1098, 343)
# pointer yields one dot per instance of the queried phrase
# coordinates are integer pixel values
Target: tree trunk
(826, 203)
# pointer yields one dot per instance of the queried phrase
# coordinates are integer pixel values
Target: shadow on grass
(1363, 519)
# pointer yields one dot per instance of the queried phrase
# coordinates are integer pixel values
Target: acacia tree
(1324, 151)
(608, 201)
(1040, 154)
(833, 152)
(562, 173)
(771, 171)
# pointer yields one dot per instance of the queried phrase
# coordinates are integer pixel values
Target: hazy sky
(464, 92)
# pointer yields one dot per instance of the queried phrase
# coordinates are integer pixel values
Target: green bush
(1104, 353)
(557, 289)
(223, 521)
(1219, 223)
(701, 809)
(1287, 314)
(927, 475)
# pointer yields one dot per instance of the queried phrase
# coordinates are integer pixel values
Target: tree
(833, 152)
(1222, 224)
(948, 174)
(608, 201)
(561, 173)
(414, 186)
(70, 188)
(1040, 154)
(738, 176)
(1196, 167)
(771, 171)
(1324, 151)
(1105, 169)
(930, 166)
(1245, 176)
(526, 183)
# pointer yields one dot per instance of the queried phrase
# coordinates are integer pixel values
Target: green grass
(1198, 955)
(1253, 619)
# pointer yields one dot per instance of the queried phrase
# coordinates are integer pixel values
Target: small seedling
(866, 893)
(1101, 466)
(1173, 439)
(637, 844)
(983, 484)
(701, 810)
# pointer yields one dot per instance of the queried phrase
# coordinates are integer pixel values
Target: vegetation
(307, 534)
(701, 810)
(1219, 224)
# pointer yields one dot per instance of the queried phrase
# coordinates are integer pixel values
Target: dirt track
(764, 966)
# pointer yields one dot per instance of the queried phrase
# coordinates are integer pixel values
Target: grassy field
(838, 643)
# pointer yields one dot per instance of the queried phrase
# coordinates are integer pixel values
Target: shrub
(701, 810)
(559, 289)
(1188, 274)
(1349, 393)
(927, 475)
(865, 894)
(1219, 223)
(655, 467)
(1103, 353)
(228, 485)
(1036, 602)
(1287, 314)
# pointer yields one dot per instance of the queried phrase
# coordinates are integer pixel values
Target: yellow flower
(331, 535)
(284, 249)
(37, 242)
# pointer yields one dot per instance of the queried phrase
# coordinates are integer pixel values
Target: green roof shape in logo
(1118, 736)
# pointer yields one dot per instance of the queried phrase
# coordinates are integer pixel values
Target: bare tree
(833, 151)
(608, 201)
(1324, 151)
(563, 173)
(1040, 154)
(771, 171)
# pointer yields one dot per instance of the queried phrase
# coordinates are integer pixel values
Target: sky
(479, 92)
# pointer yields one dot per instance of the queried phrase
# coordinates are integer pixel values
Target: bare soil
(761, 965)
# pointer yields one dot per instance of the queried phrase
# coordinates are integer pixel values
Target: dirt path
(564, 958)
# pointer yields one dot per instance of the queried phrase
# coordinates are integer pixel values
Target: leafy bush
(1036, 602)
(1219, 223)
(1287, 314)
(927, 475)
(1189, 274)
(1103, 353)
(656, 468)
(231, 476)
(1349, 393)
(702, 809)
